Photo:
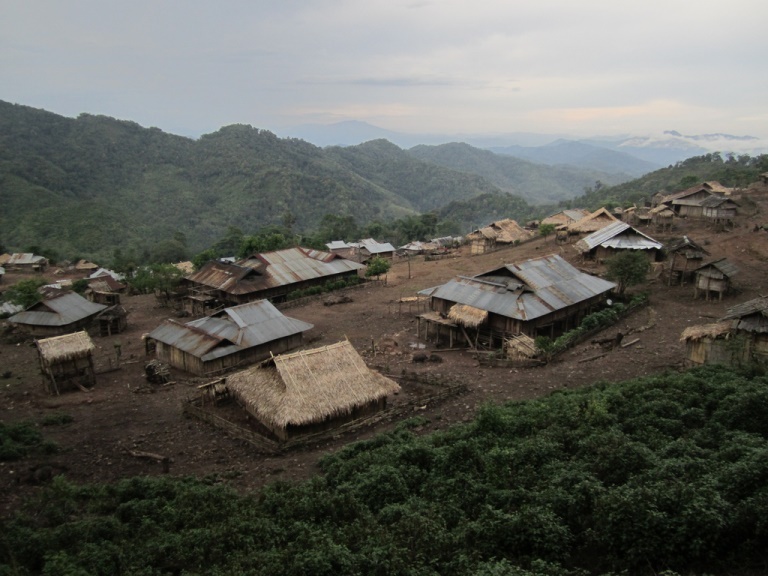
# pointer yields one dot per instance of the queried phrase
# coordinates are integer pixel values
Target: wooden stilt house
(66, 362)
(714, 278)
(683, 257)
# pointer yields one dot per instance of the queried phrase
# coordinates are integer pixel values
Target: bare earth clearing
(121, 415)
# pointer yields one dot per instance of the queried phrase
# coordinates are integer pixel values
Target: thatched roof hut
(67, 359)
(715, 344)
(598, 219)
(311, 390)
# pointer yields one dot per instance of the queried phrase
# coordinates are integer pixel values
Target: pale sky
(581, 67)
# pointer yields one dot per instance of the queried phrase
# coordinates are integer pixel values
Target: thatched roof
(467, 315)
(592, 223)
(309, 386)
(66, 347)
(716, 330)
(509, 231)
(505, 231)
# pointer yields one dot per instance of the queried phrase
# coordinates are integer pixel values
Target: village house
(59, 312)
(506, 232)
(592, 222)
(233, 337)
(739, 337)
(719, 209)
(104, 289)
(270, 275)
(350, 250)
(311, 390)
(565, 217)
(66, 362)
(689, 203)
(662, 217)
(86, 266)
(683, 257)
(544, 296)
(714, 277)
(370, 248)
(113, 320)
(26, 262)
(615, 238)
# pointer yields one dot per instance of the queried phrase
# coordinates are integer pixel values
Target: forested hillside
(535, 183)
(732, 171)
(91, 185)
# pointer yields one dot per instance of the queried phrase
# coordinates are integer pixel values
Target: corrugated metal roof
(66, 308)
(229, 331)
(298, 264)
(337, 245)
(25, 259)
(550, 284)
(376, 247)
(619, 235)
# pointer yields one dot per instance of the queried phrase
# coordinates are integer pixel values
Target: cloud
(445, 66)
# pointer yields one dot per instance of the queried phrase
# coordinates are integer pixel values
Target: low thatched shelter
(713, 344)
(311, 390)
(66, 362)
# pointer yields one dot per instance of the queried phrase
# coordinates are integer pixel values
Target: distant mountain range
(626, 154)
(92, 185)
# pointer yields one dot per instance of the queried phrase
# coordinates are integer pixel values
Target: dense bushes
(22, 439)
(662, 473)
(600, 319)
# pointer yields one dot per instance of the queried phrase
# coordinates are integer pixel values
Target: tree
(202, 257)
(24, 292)
(628, 268)
(377, 266)
(546, 230)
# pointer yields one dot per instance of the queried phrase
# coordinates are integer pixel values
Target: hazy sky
(582, 67)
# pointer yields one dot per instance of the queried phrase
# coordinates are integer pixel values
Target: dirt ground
(119, 415)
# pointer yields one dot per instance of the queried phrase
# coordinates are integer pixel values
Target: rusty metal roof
(63, 309)
(271, 270)
(536, 288)
(298, 264)
(229, 331)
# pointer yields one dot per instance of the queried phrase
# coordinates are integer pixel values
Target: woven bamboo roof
(714, 330)
(65, 347)
(309, 386)
(467, 315)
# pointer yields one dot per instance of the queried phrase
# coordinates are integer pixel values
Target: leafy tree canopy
(628, 268)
